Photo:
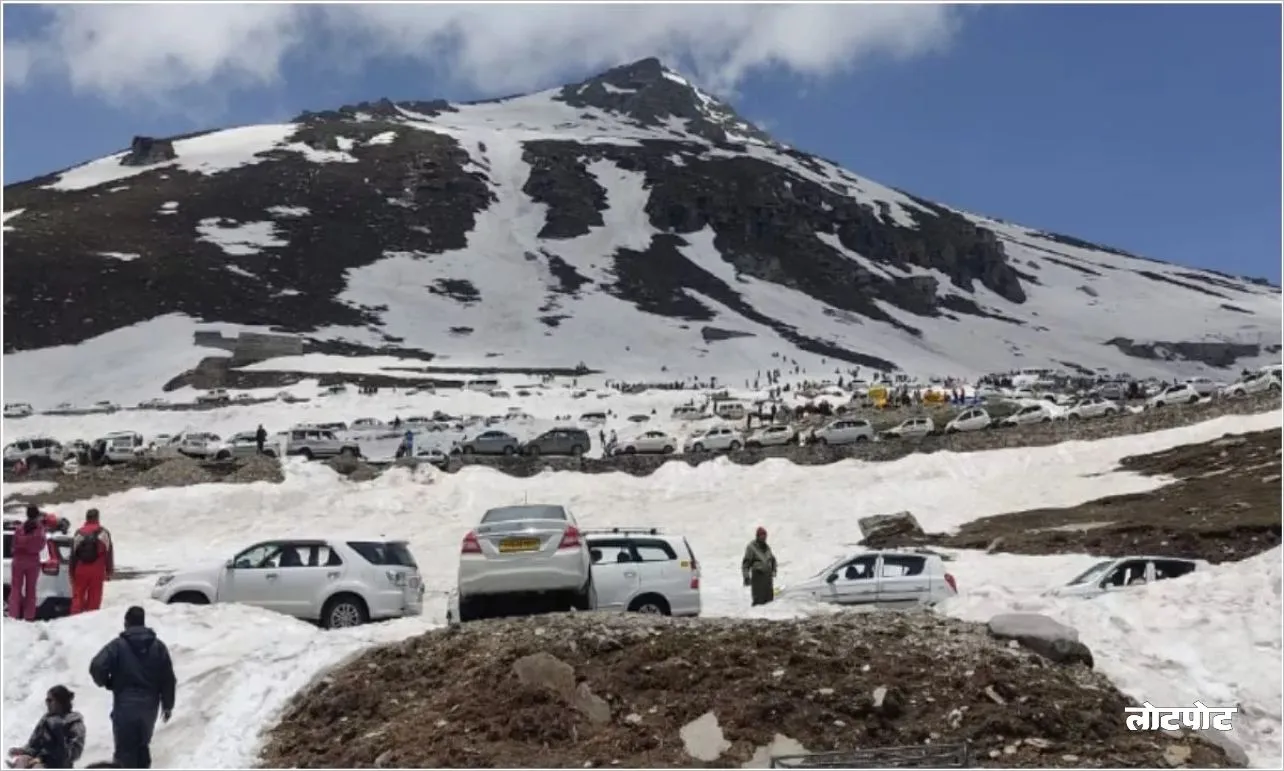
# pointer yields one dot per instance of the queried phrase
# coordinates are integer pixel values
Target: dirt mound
(178, 472)
(581, 690)
(95, 481)
(256, 468)
(1225, 505)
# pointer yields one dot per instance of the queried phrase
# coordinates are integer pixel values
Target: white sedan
(912, 428)
(1092, 407)
(1183, 393)
(1258, 382)
(772, 436)
(646, 442)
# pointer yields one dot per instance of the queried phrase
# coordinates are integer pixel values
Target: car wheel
(189, 598)
(1192, 400)
(1158, 405)
(630, 450)
(576, 450)
(344, 610)
(270, 453)
(735, 447)
(306, 452)
(668, 449)
(861, 438)
(351, 452)
(652, 604)
(951, 430)
(532, 451)
(468, 450)
(697, 447)
(223, 455)
(509, 449)
(1075, 416)
(1046, 420)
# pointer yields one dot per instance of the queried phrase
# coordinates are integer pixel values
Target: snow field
(1204, 637)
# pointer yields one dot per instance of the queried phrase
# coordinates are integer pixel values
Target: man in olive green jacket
(759, 568)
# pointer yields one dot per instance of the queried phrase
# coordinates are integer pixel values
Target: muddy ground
(1223, 505)
(628, 684)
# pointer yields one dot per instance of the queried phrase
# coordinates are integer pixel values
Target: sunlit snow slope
(1215, 637)
(629, 222)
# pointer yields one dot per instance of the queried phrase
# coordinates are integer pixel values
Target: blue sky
(1151, 128)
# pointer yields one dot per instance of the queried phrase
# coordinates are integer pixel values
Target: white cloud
(127, 53)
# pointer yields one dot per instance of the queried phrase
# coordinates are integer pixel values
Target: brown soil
(95, 481)
(452, 698)
(1224, 505)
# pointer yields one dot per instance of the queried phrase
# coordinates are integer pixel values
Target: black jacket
(137, 669)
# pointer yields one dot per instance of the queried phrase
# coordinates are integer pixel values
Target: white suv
(772, 436)
(1115, 574)
(1255, 383)
(336, 582)
(38, 452)
(888, 578)
(53, 587)
(524, 556)
(18, 410)
(318, 443)
(644, 570)
(844, 431)
(713, 440)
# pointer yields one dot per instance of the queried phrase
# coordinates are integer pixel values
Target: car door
(658, 571)
(903, 580)
(615, 574)
(305, 570)
(855, 582)
(252, 577)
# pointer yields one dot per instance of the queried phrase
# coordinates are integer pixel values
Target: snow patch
(10, 215)
(386, 138)
(289, 211)
(122, 256)
(239, 239)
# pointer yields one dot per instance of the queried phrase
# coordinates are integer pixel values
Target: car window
(896, 566)
(394, 553)
(610, 550)
(319, 556)
(287, 556)
(859, 569)
(256, 556)
(1127, 573)
(654, 551)
(518, 513)
(1172, 568)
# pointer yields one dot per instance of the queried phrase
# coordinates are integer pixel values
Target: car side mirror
(230, 564)
(832, 577)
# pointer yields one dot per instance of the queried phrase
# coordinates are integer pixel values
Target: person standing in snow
(260, 439)
(137, 669)
(28, 545)
(93, 561)
(759, 569)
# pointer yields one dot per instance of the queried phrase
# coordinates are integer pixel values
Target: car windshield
(393, 553)
(831, 567)
(1090, 572)
(518, 513)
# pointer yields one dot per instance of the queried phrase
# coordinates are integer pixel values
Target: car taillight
(49, 567)
(570, 539)
(471, 545)
(695, 574)
(949, 579)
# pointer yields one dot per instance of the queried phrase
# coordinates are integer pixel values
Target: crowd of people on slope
(136, 668)
(92, 562)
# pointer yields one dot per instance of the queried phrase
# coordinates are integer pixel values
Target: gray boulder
(890, 529)
(1045, 636)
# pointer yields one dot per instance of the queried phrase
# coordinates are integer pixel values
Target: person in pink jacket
(28, 547)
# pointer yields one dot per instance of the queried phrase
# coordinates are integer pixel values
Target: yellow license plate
(509, 545)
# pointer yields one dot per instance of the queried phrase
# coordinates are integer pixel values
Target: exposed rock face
(148, 151)
(1212, 353)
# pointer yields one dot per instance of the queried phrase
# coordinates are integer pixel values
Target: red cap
(761, 531)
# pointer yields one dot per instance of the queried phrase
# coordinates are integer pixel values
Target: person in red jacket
(28, 547)
(92, 564)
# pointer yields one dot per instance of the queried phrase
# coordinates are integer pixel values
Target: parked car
(844, 431)
(1204, 386)
(912, 428)
(1182, 393)
(558, 441)
(644, 570)
(53, 587)
(524, 556)
(151, 404)
(1029, 415)
(1114, 392)
(729, 410)
(336, 582)
(314, 443)
(1092, 407)
(245, 445)
(433, 455)
(213, 396)
(122, 446)
(18, 410)
(974, 419)
(368, 424)
(714, 439)
(105, 406)
(889, 577)
(772, 436)
(36, 451)
(1114, 574)
(646, 442)
(195, 444)
(490, 442)
(1256, 383)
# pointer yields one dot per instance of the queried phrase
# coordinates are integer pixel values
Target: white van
(688, 412)
(729, 410)
(483, 384)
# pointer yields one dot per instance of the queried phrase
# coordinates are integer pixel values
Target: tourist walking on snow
(93, 560)
(28, 546)
(260, 438)
(137, 669)
(759, 569)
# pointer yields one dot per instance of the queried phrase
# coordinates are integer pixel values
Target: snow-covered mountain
(629, 222)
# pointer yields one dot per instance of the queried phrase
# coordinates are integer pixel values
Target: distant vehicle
(193, 444)
(490, 442)
(772, 436)
(214, 396)
(105, 406)
(123, 446)
(1183, 393)
(433, 455)
(1112, 391)
(336, 389)
(242, 398)
(912, 428)
(18, 410)
(974, 419)
(152, 404)
(889, 578)
(37, 452)
(532, 554)
(483, 384)
(244, 445)
(1256, 383)
(1092, 407)
(53, 586)
(314, 443)
(1029, 415)
(1114, 574)
(689, 412)
(729, 410)
(368, 424)
(1204, 386)
(593, 417)
(648, 442)
(715, 439)
(335, 582)
(558, 441)
(844, 431)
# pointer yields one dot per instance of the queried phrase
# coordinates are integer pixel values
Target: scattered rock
(1045, 636)
(881, 528)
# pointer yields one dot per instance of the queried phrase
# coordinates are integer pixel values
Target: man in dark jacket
(260, 438)
(759, 568)
(137, 669)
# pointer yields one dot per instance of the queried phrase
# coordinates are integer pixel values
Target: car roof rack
(623, 531)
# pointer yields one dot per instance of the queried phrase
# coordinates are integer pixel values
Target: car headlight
(163, 580)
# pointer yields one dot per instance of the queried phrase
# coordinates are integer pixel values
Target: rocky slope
(627, 221)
